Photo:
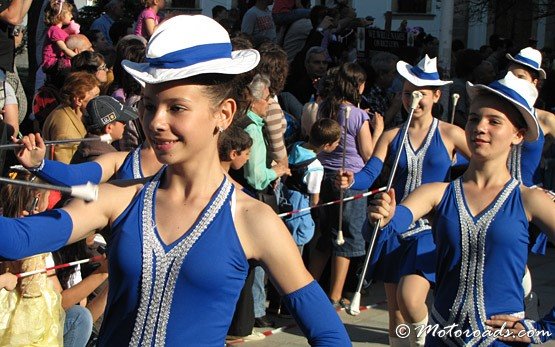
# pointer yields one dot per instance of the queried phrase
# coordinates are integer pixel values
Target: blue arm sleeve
(401, 221)
(316, 317)
(44, 232)
(63, 174)
(366, 177)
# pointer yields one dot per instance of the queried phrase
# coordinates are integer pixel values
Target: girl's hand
(33, 152)
(382, 208)
(344, 179)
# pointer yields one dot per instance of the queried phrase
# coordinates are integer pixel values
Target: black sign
(382, 40)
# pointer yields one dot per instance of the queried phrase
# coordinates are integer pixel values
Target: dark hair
(77, 84)
(273, 63)
(346, 88)
(219, 87)
(241, 40)
(16, 198)
(233, 138)
(118, 30)
(87, 61)
(467, 61)
(216, 10)
(132, 50)
(324, 131)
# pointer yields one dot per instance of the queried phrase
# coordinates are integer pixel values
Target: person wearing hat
(181, 240)
(480, 219)
(103, 115)
(406, 262)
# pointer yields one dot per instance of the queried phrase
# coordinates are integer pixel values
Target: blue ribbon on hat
(510, 93)
(191, 56)
(418, 72)
(528, 61)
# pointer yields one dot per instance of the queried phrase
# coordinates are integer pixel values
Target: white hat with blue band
(422, 75)
(529, 57)
(519, 92)
(185, 46)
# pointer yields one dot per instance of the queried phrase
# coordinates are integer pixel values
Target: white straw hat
(421, 75)
(519, 92)
(529, 57)
(185, 46)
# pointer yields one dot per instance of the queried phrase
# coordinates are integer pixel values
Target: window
(412, 6)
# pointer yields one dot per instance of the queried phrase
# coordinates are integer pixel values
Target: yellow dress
(32, 314)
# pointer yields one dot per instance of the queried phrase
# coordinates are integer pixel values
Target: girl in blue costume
(181, 240)
(524, 161)
(406, 264)
(481, 219)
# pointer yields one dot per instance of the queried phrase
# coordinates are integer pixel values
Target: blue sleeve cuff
(316, 317)
(40, 233)
(366, 177)
(56, 172)
(401, 221)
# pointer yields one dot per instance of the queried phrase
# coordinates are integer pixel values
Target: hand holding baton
(354, 308)
(340, 240)
(454, 100)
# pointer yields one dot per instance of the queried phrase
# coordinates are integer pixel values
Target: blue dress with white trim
(481, 262)
(413, 252)
(524, 165)
(131, 166)
(170, 294)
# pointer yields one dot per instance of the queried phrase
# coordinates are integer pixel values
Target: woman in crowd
(194, 232)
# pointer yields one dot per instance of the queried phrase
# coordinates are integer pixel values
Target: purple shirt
(353, 161)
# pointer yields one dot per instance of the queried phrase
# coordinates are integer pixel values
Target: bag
(300, 225)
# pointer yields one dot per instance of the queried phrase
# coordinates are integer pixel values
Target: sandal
(341, 303)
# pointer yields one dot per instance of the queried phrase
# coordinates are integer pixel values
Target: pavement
(369, 328)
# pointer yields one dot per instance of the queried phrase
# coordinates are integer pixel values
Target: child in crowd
(55, 50)
(306, 170)
(148, 19)
(104, 115)
(234, 149)
(32, 314)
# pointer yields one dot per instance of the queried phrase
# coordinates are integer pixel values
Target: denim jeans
(258, 292)
(77, 326)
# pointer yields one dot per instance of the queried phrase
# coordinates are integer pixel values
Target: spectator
(302, 85)
(55, 48)
(91, 62)
(103, 115)
(149, 18)
(113, 11)
(79, 43)
(66, 121)
(258, 22)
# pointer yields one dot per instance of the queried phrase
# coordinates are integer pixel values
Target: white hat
(422, 75)
(529, 57)
(519, 92)
(185, 46)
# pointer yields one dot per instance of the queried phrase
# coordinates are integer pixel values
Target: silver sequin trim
(469, 306)
(158, 282)
(415, 164)
(136, 162)
(514, 162)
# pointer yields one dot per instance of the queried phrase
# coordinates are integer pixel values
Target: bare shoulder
(389, 135)
(450, 130)
(547, 121)
(115, 196)
(430, 192)
(258, 227)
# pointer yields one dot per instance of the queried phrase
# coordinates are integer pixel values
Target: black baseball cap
(104, 110)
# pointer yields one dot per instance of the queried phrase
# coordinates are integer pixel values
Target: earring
(221, 129)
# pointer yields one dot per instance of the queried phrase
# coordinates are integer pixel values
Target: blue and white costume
(131, 166)
(481, 262)
(413, 251)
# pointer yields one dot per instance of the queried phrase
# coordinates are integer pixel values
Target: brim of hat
(240, 61)
(531, 120)
(128, 114)
(404, 70)
(540, 70)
